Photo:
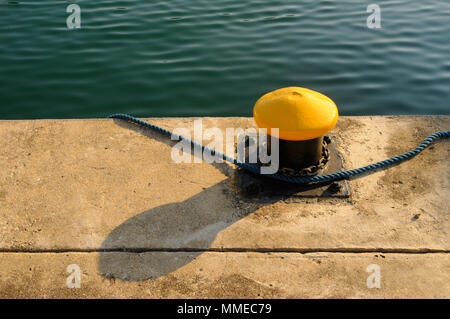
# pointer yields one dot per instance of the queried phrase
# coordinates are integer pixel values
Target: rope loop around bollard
(337, 176)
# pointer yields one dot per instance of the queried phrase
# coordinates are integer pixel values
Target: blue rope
(298, 180)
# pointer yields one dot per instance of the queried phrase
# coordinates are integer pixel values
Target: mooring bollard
(303, 117)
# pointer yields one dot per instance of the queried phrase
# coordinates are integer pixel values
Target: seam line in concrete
(234, 250)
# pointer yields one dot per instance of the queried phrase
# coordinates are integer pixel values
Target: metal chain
(313, 169)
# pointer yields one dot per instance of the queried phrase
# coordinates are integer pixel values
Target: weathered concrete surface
(91, 185)
(228, 275)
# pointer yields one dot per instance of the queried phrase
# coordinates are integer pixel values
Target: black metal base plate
(259, 188)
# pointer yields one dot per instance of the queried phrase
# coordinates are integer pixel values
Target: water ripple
(215, 58)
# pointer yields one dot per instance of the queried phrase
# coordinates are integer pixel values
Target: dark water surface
(216, 57)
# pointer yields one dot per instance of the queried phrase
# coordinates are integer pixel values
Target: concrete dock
(106, 196)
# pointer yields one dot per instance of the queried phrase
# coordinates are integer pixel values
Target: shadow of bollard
(143, 247)
(189, 226)
(163, 239)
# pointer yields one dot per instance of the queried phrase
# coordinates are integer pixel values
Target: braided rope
(298, 180)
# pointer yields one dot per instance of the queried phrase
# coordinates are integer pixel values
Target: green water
(217, 57)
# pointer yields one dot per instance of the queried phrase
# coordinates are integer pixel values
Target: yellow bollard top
(299, 113)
